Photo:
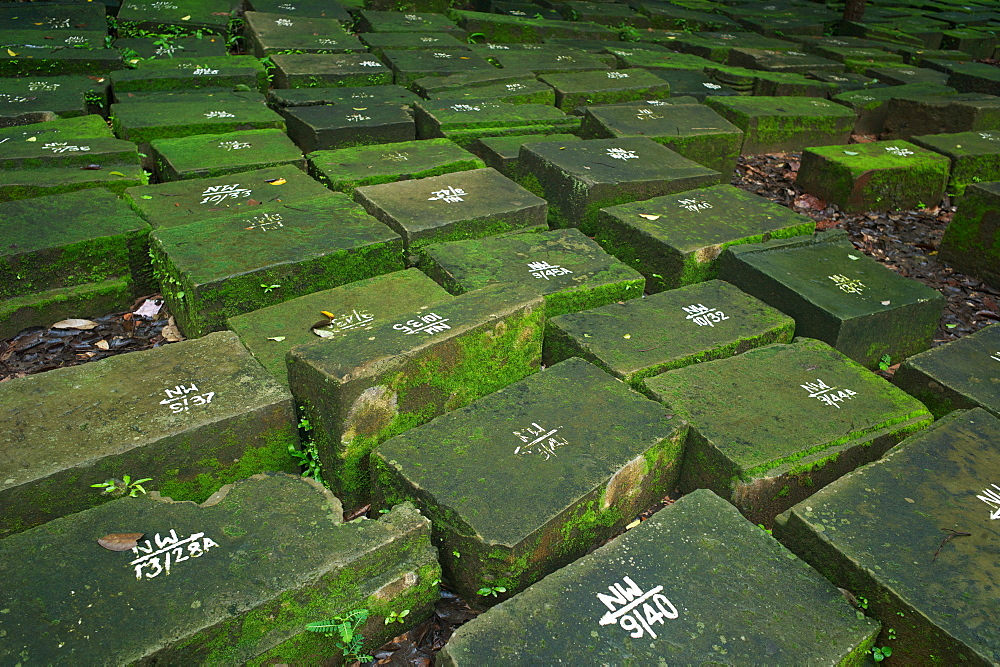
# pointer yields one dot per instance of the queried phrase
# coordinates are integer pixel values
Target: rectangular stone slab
(67, 240)
(215, 269)
(560, 60)
(329, 127)
(568, 268)
(352, 96)
(960, 375)
(208, 155)
(137, 16)
(772, 425)
(640, 338)
(200, 583)
(838, 294)
(523, 481)
(580, 178)
(408, 65)
(438, 41)
(276, 33)
(91, 126)
(698, 568)
(387, 21)
(360, 391)
(35, 99)
(356, 308)
(69, 153)
(258, 191)
(883, 533)
(18, 184)
(776, 124)
(434, 86)
(530, 91)
(191, 73)
(876, 176)
(975, 156)
(303, 70)
(971, 243)
(787, 61)
(962, 112)
(575, 89)
(41, 309)
(348, 168)
(436, 117)
(872, 104)
(193, 416)
(316, 8)
(134, 48)
(463, 205)
(143, 122)
(676, 240)
(500, 28)
(691, 130)
(502, 153)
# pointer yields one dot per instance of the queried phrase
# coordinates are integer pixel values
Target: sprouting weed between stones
(344, 631)
(126, 486)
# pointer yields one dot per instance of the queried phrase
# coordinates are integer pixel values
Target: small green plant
(892, 633)
(305, 425)
(456, 554)
(476, 38)
(881, 653)
(884, 362)
(862, 602)
(308, 458)
(396, 617)
(628, 33)
(269, 288)
(491, 590)
(126, 486)
(344, 631)
(921, 205)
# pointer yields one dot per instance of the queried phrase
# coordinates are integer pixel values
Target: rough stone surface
(883, 533)
(975, 156)
(192, 416)
(201, 586)
(776, 124)
(527, 479)
(803, 415)
(208, 155)
(971, 243)
(717, 589)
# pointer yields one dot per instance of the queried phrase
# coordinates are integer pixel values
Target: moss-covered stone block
(961, 375)
(346, 96)
(324, 127)
(659, 60)
(357, 307)
(691, 130)
(462, 205)
(305, 70)
(438, 41)
(502, 153)
(580, 178)
(528, 91)
(962, 112)
(772, 425)
(782, 61)
(437, 118)
(778, 124)
(270, 33)
(91, 126)
(971, 243)
(201, 584)
(912, 535)
(63, 61)
(208, 155)
(433, 87)
(838, 294)
(692, 574)
(41, 309)
(25, 184)
(136, 48)
(872, 104)
(175, 17)
(771, 84)
(676, 240)
(637, 339)
(205, 414)
(877, 176)
(304, 8)
(547, 62)
(502, 28)
(569, 269)
(68, 240)
(975, 156)
(574, 89)
(485, 474)
(215, 269)
(211, 72)
(73, 152)
(408, 65)
(360, 391)
(145, 121)
(255, 192)
(348, 168)
(373, 20)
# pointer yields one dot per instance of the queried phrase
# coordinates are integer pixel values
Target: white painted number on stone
(168, 552)
(464, 107)
(515, 86)
(989, 135)
(219, 114)
(179, 401)
(431, 323)
(42, 85)
(497, 47)
(622, 154)
(398, 156)
(203, 71)
(64, 147)
(658, 103)
(647, 114)
(213, 194)
(411, 17)
(265, 222)
(624, 608)
(12, 98)
(352, 320)
(370, 63)
(287, 7)
(849, 285)
(693, 204)
(544, 270)
(441, 54)
(992, 498)
(995, 356)
(568, 59)
(428, 39)
(449, 194)
(58, 23)
(703, 316)
(75, 40)
(617, 75)
(900, 152)
(824, 393)
(234, 145)
(163, 5)
(539, 440)
(327, 42)
(712, 86)
(284, 22)
(356, 118)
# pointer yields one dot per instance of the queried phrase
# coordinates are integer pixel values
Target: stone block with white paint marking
(694, 584)
(201, 586)
(192, 416)
(523, 481)
(915, 534)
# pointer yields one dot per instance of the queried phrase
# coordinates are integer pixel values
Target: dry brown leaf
(171, 333)
(73, 323)
(649, 216)
(120, 541)
(102, 345)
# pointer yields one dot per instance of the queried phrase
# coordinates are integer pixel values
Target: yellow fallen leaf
(185, 18)
(10, 53)
(276, 339)
(627, 336)
(328, 314)
(359, 108)
(102, 344)
(116, 173)
(32, 139)
(648, 216)
(278, 181)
